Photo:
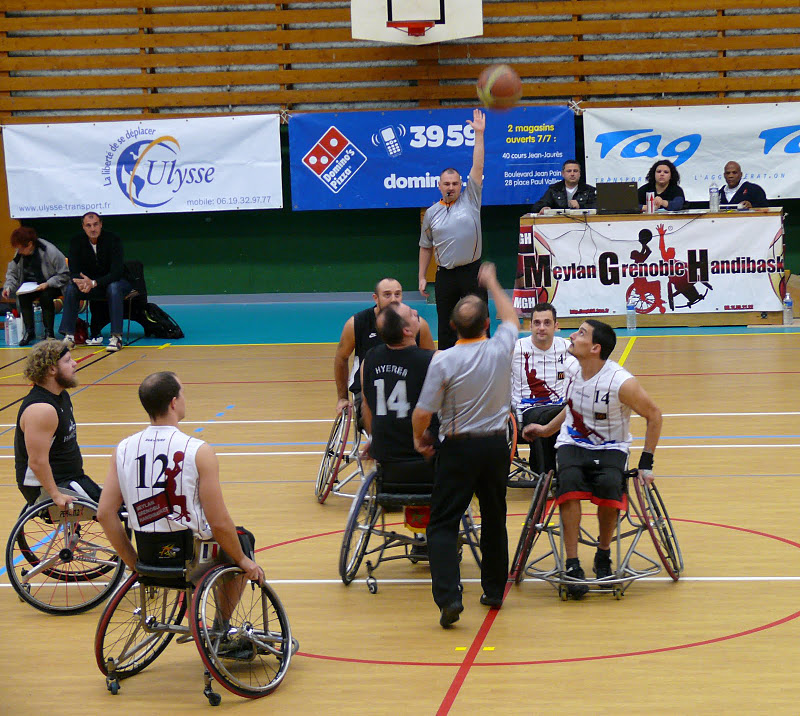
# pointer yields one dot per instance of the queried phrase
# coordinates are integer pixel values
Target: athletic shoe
(114, 344)
(69, 341)
(450, 614)
(575, 571)
(240, 649)
(493, 602)
(602, 565)
(95, 341)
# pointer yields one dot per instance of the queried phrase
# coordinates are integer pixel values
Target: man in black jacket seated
(96, 265)
(737, 191)
(570, 193)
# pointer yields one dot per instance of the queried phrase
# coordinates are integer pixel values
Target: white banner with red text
(140, 167)
(764, 139)
(690, 263)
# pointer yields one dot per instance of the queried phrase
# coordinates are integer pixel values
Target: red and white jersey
(159, 481)
(596, 419)
(537, 376)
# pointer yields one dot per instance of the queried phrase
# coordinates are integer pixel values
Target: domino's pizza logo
(334, 159)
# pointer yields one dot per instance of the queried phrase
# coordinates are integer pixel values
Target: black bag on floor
(158, 323)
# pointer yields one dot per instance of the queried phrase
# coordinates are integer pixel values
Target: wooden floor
(722, 640)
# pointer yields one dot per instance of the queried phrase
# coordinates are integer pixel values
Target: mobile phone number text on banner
(622, 144)
(139, 167)
(377, 160)
(670, 264)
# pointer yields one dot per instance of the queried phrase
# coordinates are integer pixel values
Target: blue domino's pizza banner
(377, 160)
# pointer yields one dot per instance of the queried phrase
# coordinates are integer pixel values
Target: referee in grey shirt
(469, 386)
(452, 228)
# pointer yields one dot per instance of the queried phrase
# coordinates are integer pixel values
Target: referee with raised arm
(470, 387)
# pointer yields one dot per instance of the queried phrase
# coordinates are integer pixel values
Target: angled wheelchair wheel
(511, 435)
(656, 519)
(241, 631)
(334, 453)
(62, 563)
(133, 628)
(360, 521)
(530, 529)
(471, 534)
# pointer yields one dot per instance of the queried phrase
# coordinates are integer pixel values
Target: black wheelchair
(392, 489)
(645, 514)
(60, 561)
(341, 462)
(240, 628)
(527, 470)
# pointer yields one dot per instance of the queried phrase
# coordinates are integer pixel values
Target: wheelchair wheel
(132, 631)
(511, 435)
(360, 521)
(62, 564)
(241, 631)
(471, 534)
(334, 453)
(530, 531)
(658, 524)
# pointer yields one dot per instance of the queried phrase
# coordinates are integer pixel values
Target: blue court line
(33, 549)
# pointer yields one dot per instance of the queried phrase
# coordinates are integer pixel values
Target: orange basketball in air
(499, 87)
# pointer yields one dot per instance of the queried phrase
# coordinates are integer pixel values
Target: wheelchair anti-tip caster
(113, 686)
(372, 585)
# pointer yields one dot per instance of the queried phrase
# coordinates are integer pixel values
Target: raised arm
(487, 277)
(478, 123)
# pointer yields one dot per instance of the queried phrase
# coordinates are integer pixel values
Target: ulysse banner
(622, 144)
(138, 167)
(376, 160)
(670, 264)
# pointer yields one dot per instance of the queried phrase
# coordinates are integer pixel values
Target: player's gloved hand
(646, 468)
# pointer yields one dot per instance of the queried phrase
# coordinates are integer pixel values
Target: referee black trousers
(465, 467)
(451, 286)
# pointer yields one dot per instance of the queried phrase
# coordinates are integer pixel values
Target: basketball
(499, 87)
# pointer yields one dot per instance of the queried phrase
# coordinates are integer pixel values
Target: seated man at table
(569, 193)
(736, 191)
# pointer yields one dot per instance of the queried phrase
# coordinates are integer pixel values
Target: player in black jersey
(360, 333)
(46, 452)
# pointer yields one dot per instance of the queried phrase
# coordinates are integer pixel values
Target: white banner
(139, 167)
(622, 144)
(668, 264)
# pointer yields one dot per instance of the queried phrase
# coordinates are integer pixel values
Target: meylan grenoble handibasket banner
(622, 144)
(376, 160)
(139, 167)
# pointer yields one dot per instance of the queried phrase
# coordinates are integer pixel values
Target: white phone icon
(389, 138)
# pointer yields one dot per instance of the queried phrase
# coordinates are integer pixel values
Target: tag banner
(622, 145)
(157, 166)
(689, 264)
(377, 160)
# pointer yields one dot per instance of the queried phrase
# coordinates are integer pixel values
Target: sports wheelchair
(60, 561)
(645, 514)
(341, 461)
(524, 472)
(375, 498)
(240, 628)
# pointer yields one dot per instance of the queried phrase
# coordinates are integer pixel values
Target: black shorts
(596, 475)
(538, 414)
(83, 485)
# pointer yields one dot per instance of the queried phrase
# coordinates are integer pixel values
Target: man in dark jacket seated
(569, 193)
(736, 191)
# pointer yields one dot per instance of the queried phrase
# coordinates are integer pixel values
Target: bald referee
(470, 387)
(452, 228)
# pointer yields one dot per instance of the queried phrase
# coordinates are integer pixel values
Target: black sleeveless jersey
(66, 461)
(366, 336)
(393, 380)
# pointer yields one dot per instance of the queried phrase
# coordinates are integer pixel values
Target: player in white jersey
(170, 485)
(537, 380)
(594, 442)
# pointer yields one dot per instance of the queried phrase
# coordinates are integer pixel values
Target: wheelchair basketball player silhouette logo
(645, 293)
(540, 391)
(165, 503)
(174, 500)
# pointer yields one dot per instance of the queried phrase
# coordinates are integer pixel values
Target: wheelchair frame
(649, 516)
(61, 562)
(369, 506)
(520, 474)
(329, 476)
(145, 614)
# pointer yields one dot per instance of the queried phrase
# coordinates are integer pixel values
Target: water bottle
(13, 333)
(630, 317)
(713, 198)
(787, 310)
(9, 318)
(38, 325)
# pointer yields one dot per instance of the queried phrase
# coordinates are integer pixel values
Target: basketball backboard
(416, 22)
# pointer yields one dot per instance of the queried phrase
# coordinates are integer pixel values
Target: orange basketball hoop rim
(414, 28)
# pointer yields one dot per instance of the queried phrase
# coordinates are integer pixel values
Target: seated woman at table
(662, 180)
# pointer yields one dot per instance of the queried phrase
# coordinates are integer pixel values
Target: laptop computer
(618, 197)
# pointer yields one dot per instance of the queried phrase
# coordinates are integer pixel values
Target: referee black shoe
(493, 602)
(575, 571)
(450, 614)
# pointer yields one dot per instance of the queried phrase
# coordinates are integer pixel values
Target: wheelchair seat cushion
(406, 478)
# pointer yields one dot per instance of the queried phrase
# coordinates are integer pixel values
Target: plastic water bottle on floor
(630, 317)
(788, 318)
(38, 325)
(9, 319)
(13, 334)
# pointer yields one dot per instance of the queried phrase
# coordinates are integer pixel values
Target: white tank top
(159, 481)
(596, 419)
(537, 376)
